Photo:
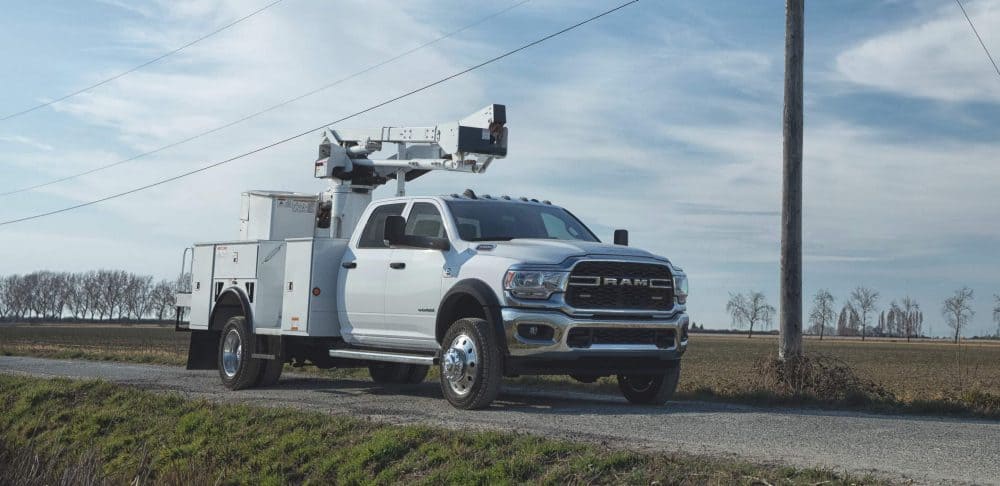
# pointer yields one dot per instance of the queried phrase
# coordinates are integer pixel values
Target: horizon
(663, 119)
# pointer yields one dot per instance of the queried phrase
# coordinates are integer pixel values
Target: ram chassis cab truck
(482, 287)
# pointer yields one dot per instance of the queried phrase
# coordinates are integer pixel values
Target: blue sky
(663, 118)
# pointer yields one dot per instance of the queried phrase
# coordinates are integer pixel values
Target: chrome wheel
(458, 364)
(232, 351)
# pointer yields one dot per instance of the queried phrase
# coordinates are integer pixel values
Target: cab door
(363, 279)
(413, 286)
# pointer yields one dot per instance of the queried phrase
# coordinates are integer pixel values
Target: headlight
(681, 288)
(532, 284)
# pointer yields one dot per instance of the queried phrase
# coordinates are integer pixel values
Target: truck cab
(483, 287)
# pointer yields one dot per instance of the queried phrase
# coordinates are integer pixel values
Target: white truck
(483, 287)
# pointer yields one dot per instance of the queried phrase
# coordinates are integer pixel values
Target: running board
(417, 359)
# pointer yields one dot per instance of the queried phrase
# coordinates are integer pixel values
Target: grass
(923, 376)
(60, 431)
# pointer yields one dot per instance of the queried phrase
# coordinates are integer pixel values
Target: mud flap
(203, 351)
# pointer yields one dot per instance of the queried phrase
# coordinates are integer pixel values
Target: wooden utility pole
(790, 341)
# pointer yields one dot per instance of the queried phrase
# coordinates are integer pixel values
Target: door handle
(397, 265)
(349, 264)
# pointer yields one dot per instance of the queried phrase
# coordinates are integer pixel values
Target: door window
(373, 235)
(425, 220)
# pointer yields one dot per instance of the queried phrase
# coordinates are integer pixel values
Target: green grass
(96, 432)
(932, 377)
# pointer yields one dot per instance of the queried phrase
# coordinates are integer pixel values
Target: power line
(268, 109)
(974, 31)
(311, 130)
(139, 66)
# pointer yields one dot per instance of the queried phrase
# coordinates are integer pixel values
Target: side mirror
(621, 237)
(395, 235)
(395, 227)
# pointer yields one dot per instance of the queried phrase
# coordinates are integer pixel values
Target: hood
(529, 250)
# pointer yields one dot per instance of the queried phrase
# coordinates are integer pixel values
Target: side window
(374, 232)
(425, 220)
(468, 229)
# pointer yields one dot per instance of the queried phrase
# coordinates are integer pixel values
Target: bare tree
(748, 311)
(138, 293)
(957, 310)
(162, 299)
(864, 300)
(16, 297)
(996, 312)
(4, 308)
(822, 314)
(912, 318)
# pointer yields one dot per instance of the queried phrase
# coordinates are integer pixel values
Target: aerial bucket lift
(468, 145)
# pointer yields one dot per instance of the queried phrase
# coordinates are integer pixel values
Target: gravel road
(923, 449)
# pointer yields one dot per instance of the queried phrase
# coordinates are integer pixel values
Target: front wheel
(471, 366)
(653, 389)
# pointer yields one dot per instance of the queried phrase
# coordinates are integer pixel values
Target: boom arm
(468, 145)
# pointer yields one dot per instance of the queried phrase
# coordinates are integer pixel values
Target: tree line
(857, 316)
(97, 295)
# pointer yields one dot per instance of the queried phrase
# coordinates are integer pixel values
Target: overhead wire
(334, 122)
(974, 31)
(138, 66)
(268, 109)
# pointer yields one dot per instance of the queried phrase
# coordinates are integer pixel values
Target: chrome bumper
(557, 347)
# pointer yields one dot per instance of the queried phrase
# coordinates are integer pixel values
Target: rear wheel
(471, 366)
(417, 374)
(397, 373)
(653, 389)
(236, 368)
(270, 372)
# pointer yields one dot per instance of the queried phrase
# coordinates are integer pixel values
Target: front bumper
(555, 355)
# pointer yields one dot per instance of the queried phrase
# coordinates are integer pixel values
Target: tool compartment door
(201, 285)
(296, 286)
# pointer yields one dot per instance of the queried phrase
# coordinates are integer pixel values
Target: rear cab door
(363, 278)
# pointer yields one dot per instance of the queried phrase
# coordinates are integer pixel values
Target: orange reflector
(316, 291)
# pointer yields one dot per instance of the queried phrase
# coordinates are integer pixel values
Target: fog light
(537, 332)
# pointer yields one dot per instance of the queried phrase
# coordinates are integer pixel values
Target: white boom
(468, 145)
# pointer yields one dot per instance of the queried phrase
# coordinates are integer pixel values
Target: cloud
(30, 142)
(937, 58)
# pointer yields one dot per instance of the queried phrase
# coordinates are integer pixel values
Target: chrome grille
(620, 285)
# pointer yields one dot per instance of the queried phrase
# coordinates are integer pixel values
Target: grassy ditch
(59, 431)
(929, 377)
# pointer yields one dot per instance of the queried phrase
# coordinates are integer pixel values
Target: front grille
(584, 337)
(620, 285)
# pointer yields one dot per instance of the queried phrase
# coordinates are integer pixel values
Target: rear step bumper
(417, 359)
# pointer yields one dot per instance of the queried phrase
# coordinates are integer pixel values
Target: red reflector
(316, 291)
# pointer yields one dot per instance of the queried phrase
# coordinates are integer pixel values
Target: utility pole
(790, 339)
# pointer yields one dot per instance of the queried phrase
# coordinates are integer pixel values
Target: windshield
(483, 220)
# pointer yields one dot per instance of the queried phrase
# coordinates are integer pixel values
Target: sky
(663, 118)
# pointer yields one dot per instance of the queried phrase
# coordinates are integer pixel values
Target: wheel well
(229, 304)
(455, 307)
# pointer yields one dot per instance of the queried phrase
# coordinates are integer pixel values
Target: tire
(471, 364)
(236, 368)
(417, 374)
(270, 372)
(650, 390)
(389, 373)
